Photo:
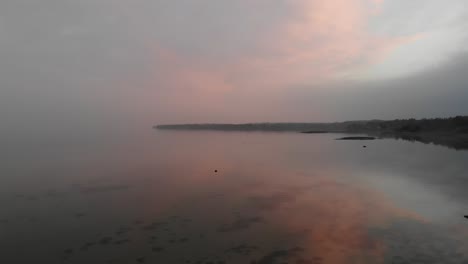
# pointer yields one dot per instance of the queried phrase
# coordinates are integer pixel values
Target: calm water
(275, 198)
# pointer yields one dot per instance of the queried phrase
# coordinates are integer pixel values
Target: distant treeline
(458, 124)
(329, 127)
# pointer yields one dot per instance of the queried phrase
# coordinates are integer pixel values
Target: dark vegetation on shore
(294, 127)
(451, 132)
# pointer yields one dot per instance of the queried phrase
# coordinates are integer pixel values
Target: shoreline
(450, 132)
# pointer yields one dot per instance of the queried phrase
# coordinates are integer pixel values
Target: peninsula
(451, 132)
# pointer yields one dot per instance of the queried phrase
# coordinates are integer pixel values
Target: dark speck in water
(105, 240)
(123, 230)
(122, 241)
(157, 249)
(243, 249)
(79, 215)
(277, 255)
(32, 198)
(154, 225)
(87, 245)
(240, 224)
(183, 240)
(105, 188)
(304, 261)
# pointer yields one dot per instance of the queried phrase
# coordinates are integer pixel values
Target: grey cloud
(72, 65)
(438, 92)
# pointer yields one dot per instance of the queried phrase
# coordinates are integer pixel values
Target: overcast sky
(92, 62)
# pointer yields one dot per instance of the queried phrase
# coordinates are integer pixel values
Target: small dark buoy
(364, 146)
(216, 170)
(466, 216)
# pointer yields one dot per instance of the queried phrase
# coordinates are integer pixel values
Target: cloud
(211, 60)
(312, 42)
(315, 41)
(439, 91)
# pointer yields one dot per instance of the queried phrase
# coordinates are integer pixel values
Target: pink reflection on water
(308, 202)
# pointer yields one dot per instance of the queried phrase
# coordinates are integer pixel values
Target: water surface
(233, 197)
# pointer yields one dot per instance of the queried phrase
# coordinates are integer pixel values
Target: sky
(101, 63)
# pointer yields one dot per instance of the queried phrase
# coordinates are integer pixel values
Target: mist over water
(84, 178)
(154, 197)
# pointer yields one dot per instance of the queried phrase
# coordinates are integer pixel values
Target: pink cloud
(316, 42)
(320, 39)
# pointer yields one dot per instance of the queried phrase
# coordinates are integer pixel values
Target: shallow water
(275, 198)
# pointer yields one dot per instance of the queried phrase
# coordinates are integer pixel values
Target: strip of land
(356, 138)
(451, 132)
